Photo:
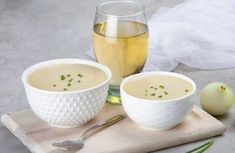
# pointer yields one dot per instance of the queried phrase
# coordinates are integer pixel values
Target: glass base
(114, 96)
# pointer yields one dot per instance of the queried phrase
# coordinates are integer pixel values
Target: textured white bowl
(157, 114)
(71, 108)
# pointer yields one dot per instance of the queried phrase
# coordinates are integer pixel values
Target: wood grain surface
(123, 137)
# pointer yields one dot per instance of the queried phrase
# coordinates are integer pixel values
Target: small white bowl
(71, 108)
(157, 114)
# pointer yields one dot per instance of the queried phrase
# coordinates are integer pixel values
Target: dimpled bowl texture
(157, 114)
(67, 109)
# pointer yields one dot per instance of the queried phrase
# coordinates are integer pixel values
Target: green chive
(152, 94)
(54, 85)
(69, 84)
(151, 87)
(155, 88)
(79, 81)
(62, 77)
(166, 93)
(65, 89)
(202, 148)
(186, 90)
(70, 80)
(160, 96)
(79, 75)
(161, 86)
(68, 75)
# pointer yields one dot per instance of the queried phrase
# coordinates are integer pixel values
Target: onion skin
(217, 98)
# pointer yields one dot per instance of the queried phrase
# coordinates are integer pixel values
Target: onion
(216, 98)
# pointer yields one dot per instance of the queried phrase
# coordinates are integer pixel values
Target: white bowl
(71, 108)
(157, 114)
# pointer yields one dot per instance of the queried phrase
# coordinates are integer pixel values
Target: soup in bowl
(66, 92)
(158, 100)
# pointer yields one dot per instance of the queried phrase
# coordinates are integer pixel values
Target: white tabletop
(33, 31)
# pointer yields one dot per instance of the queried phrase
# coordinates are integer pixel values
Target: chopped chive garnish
(151, 87)
(160, 96)
(223, 88)
(152, 94)
(155, 88)
(65, 89)
(79, 81)
(70, 80)
(186, 90)
(68, 75)
(79, 75)
(54, 85)
(161, 86)
(166, 93)
(62, 77)
(69, 84)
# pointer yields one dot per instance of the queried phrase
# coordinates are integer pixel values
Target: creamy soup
(66, 77)
(159, 87)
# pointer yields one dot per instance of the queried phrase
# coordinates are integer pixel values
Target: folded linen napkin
(197, 33)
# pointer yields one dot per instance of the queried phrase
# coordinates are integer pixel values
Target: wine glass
(120, 41)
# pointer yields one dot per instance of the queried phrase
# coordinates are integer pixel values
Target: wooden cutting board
(123, 137)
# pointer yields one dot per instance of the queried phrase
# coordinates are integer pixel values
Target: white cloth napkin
(197, 33)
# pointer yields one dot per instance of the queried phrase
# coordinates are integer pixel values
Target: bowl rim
(158, 73)
(32, 68)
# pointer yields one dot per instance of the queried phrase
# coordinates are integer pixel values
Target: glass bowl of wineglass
(120, 41)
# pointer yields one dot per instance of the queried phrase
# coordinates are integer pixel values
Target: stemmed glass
(120, 41)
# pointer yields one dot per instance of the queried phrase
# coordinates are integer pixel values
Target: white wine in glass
(120, 41)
